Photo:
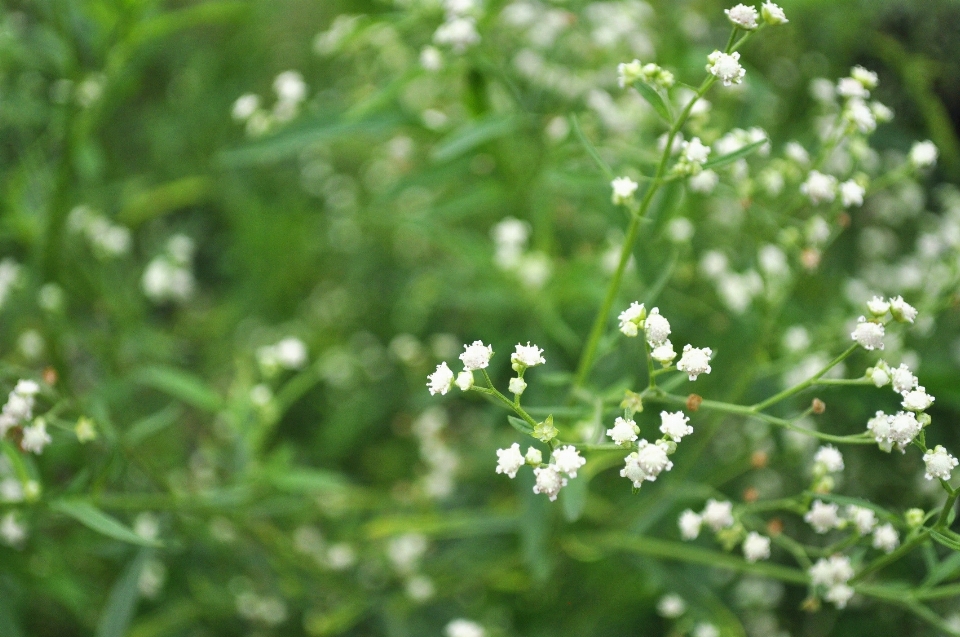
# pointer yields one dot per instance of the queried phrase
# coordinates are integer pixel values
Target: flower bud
(914, 517)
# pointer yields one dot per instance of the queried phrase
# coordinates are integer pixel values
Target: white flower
(773, 14)
(881, 112)
(886, 538)
(718, 515)
(839, 595)
(689, 523)
(704, 182)
(656, 328)
(940, 463)
(830, 572)
(464, 628)
(464, 380)
(860, 115)
(868, 335)
(664, 353)
(867, 78)
(476, 356)
(459, 33)
(923, 154)
(879, 373)
(12, 532)
(431, 59)
(903, 379)
(517, 385)
(26, 387)
(851, 193)
(568, 460)
(902, 429)
(823, 517)
(674, 425)
(35, 437)
(624, 431)
(623, 189)
(695, 361)
(756, 547)
(534, 457)
(11, 490)
(406, 550)
(819, 188)
(549, 481)
(291, 353)
(862, 517)
(440, 381)
(726, 67)
(695, 151)
(795, 152)
(902, 311)
(632, 318)
(917, 400)
(290, 87)
(829, 458)
(509, 460)
(527, 355)
(743, 16)
(646, 463)
(245, 106)
(851, 88)
(877, 306)
(629, 72)
(671, 606)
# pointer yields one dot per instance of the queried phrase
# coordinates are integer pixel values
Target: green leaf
(947, 541)
(306, 481)
(655, 100)
(182, 385)
(152, 424)
(729, 158)
(473, 135)
(520, 425)
(93, 518)
(573, 498)
(122, 602)
(591, 150)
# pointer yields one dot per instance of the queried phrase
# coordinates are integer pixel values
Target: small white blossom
(464, 380)
(431, 59)
(839, 595)
(458, 33)
(440, 381)
(629, 72)
(527, 355)
(656, 328)
(568, 460)
(464, 628)
(718, 515)
(886, 538)
(517, 385)
(851, 193)
(756, 547)
(903, 379)
(902, 429)
(664, 353)
(923, 154)
(703, 629)
(866, 77)
(12, 532)
(902, 311)
(671, 606)
(291, 353)
(726, 67)
(877, 306)
(743, 16)
(917, 400)
(823, 517)
(860, 115)
(850, 88)
(795, 152)
(695, 151)
(773, 14)
(829, 458)
(623, 190)
(695, 361)
(632, 318)
(674, 425)
(831, 571)
(704, 182)
(819, 187)
(940, 463)
(689, 523)
(881, 112)
(245, 106)
(868, 335)
(35, 437)
(549, 481)
(862, 517)
(624, 431)
(879, 373)
(534, 457)
(646, 463)
(476, 356)
(509, 460)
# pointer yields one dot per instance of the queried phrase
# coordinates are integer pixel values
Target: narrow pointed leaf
(729, 158)
(93, 518)
(655, 100)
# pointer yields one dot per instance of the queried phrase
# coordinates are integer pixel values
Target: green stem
(796, 389)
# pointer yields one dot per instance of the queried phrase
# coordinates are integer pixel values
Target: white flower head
(743, 16)
(459, 34)
(291, 353)
(663, 353)
(923, 154)
(860, 115)
(476, 356)
(902, 429)
(632, 318)
(534, 457)
(831, 571)
(852, 89)
(902, 311)
(549, 481)
(624, 431)
(903, 379)
(517, 385)
(868, 335)
(704, 182)
(940, 463)
(646, 463)
(851, 193)
(689, 523)
(819, 187)
(878, 306)
(773, 14)
(879, 373)
(35, 437)
(12, 532)
(823, 517)
(245, 106)
(464, 628)
(726, 67)
(656, 328)
(862, 517)
(704, 629)
(671, 606)
(718, 515)
(509, 460)
(440, 381)
(568, 460)
(917, 399)
(629, 72)
(839, 595)
(886, 538)
(527, 356)
(623, 190)
(695, 361)
(464, 380)
(829, 459)
(756, 547)
(674, 425)
(695, 151)
(867, 78)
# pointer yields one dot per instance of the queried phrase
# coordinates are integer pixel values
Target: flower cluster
(718, 516)
(107, 239)
(726, 67)
(694, 361)
(693, 155)
(291, 91)
(288, 353)
(168, 277)
(531, 267)
(459, 30)
(829, 576)
(550, 477)
(630, 72)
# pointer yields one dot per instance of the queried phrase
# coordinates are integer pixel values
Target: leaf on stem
(520, 425)
(93, 518)
(729, 158)
(655, 99)
(591, 149)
